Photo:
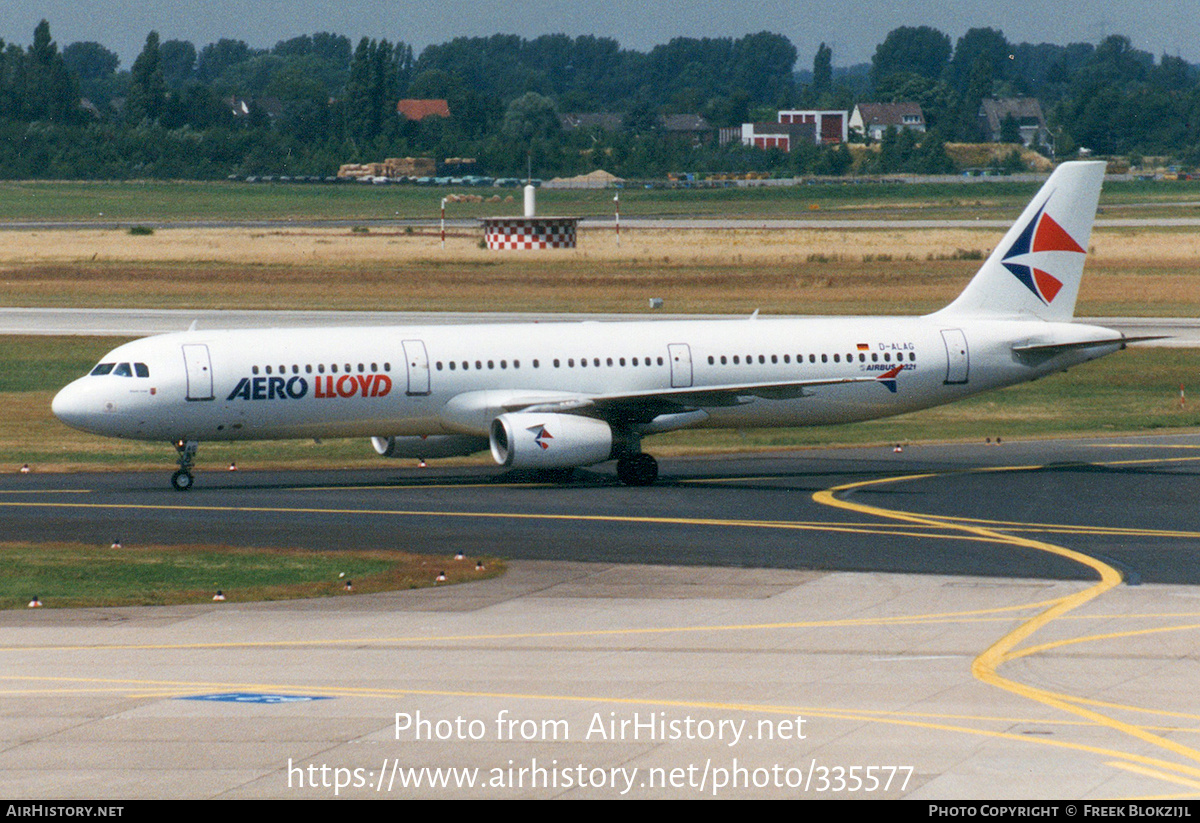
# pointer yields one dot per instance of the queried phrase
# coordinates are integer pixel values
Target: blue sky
(851, 27)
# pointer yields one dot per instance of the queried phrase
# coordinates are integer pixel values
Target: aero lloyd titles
(325, 385)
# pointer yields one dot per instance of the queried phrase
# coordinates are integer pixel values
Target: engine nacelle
(525, 440)
(435, 445)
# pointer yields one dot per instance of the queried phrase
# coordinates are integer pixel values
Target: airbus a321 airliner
(557, 395)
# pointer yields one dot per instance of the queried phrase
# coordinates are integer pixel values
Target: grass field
(861, 271)
(177, 200)
(67, 575)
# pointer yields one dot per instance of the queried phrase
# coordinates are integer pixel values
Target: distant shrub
(959, 254)
(141, 231)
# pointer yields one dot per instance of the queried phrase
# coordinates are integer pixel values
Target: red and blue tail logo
(1043, 234)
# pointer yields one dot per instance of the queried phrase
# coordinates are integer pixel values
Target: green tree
(216, 57)
(147, 88)
(530, 117)
(822, 84)
(178, 59)
(923, 51)
(979, 86)
(376, 74)
(95, 69)
(989, 44)
(1010, 130)
(52, 93)
(763, 63)
(930, 156)
(732, 110)
(90, 61)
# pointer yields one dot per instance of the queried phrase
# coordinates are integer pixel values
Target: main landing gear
(638, 469)
(182, 480)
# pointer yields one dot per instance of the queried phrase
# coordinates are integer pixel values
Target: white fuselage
(438, 380)
(560, 395)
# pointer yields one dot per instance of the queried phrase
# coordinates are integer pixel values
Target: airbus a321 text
(555, 395)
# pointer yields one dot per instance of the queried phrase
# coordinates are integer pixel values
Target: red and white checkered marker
(530, 233)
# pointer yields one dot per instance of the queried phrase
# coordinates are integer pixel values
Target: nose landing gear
(182, 479)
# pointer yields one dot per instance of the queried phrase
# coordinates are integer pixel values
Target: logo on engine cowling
(540, 436)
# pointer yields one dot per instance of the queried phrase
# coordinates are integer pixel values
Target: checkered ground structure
(530, 232)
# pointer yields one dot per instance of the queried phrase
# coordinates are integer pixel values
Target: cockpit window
(141, 369)
(103, 368)
(123, 370)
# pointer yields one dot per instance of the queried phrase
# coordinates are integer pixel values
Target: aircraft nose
(72, 407)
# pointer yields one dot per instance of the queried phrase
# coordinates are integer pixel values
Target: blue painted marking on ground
(255, 697)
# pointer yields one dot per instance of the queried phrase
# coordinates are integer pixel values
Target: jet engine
(525, 440)
(435, 445)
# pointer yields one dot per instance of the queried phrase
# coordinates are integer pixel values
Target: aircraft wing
(644, 406)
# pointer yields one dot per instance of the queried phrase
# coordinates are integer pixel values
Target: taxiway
(1016, 621)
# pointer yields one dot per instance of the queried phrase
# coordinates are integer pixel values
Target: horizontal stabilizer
(1053, 348)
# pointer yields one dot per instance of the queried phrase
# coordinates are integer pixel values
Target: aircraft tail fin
(1036, 269)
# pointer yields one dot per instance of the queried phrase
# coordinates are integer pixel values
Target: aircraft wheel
(639, 470)
(181, 480)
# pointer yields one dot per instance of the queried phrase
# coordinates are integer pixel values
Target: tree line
(312, 102)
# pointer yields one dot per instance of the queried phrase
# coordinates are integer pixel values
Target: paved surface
(756, 511)
(1017, 665)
